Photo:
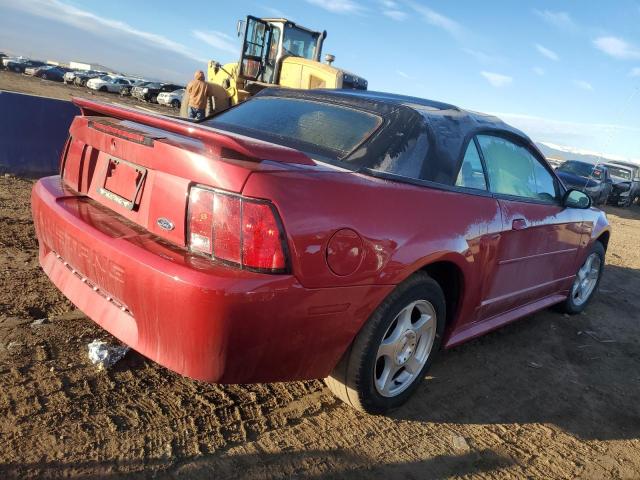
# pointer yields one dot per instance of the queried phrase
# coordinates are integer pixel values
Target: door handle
(518, 224)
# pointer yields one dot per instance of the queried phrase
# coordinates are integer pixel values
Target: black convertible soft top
(450, 127)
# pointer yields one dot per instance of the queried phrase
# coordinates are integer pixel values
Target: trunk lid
(142, 165)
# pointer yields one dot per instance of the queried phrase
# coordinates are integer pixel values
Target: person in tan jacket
(198, 92)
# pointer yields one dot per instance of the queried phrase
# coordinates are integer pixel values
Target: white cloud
(397, 15)
(635, 72)
(85, 20)
(583, 85)
(218, 40)
(391, 9)
(538, 71)
(617, 48)
(274, 12)
(560, 20)
(405, 75)
(338, 6)
(550, 54)
(496, 79)
(481, 56)
(436, 19)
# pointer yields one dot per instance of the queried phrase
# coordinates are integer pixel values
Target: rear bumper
(203, 320)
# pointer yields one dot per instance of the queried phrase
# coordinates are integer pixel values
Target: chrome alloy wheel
(405, 348)
(586, 279)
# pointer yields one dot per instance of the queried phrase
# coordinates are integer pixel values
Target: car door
(116, 86)
(537, 249)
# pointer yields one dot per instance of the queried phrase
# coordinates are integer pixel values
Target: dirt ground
(16, 82)
(547, 397)
(550, 396)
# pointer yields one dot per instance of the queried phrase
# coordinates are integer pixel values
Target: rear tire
(390, 355)
(175, 103)
(586, 278)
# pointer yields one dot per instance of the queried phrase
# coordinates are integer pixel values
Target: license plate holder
(122, 182)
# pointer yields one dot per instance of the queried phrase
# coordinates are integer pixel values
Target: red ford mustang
(300, 235)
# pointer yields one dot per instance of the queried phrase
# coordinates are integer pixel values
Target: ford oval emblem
(165, 223)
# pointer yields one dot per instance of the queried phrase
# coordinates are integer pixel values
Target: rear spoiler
(251, 148)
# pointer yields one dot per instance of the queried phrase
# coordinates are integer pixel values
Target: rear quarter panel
(403, 227)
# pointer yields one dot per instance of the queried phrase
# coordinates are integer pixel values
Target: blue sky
(568, 73)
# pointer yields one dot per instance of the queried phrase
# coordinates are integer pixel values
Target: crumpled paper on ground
(104, 355)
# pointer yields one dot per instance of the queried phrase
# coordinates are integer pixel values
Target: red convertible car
(312, 234)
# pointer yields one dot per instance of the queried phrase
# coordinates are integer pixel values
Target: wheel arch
(450, 277)
(603, 238)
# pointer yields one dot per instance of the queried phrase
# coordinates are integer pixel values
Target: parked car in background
(80, 78)
(125, 91)
(108, 83)
(20, 65)
(150, 92)
(70, 76)
(4, 62)
(55, 74)
(208, 251)
(554, 162)
(7, 60)
(32, 70)
(635, 178)
(622, 193)
(592, 179)
(171, 99)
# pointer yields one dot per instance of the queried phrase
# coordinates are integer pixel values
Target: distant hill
(566, 153)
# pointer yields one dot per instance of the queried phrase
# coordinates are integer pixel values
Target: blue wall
(33, 131)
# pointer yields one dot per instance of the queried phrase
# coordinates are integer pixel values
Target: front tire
(586, 282)
(390, 355)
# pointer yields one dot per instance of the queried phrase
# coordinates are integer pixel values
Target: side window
(514, 171)
(406, 153)
(546, 183)
(471, 173)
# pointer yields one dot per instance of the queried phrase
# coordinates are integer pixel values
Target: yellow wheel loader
(275, 52)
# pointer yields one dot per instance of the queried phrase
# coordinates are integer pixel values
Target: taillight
(237, 230)
(201, 220)
(261, 242)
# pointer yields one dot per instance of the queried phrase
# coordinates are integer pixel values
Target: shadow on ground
(312, 465)
(581, 373)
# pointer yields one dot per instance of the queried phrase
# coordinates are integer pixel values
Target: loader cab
(268, 41)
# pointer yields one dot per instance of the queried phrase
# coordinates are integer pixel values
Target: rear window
(330, 130)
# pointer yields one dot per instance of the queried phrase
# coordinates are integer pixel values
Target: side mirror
(577, 199)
